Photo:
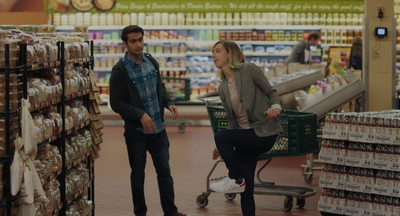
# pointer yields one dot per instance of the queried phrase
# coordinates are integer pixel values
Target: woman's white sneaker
(228, 185)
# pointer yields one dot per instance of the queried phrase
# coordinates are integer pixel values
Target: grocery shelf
(336, 99)
(169, 55)
(147, 41)
(102, 84)
(198, 53)
(340, 27)
(250, 42)
(267, 42)
(105, 41)
(326, 46)
(298, 82)
(272, 54)
(108, 55)
(106, 70)
(173, 69)
(220, 27)
(102, 69)
(245, 53)
(286, 27)
(160, 55)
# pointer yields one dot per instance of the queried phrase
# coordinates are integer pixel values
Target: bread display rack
(71, 127)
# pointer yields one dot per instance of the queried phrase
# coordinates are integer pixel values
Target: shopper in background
(356, 54)
(301, 51)
(252, 107)
(139, 96)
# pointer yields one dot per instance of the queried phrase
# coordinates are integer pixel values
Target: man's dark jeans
(158, 146)
(240, 148)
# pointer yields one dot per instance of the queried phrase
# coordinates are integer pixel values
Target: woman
(356, 54)
(252, 107)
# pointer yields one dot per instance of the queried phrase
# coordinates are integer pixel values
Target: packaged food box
(7, 27)
(29, 28)
(81, 28)
(47, 28)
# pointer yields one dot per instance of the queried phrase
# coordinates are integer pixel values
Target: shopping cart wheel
(181, 128)
(288, 204)
(230, 196)
(307, 177)
(301, 202)
(202, 201)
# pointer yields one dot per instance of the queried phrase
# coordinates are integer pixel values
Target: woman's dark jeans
(240, 149)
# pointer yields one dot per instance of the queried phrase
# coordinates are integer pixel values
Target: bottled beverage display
(371, 168)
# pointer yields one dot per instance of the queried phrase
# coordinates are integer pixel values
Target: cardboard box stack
(96, 124)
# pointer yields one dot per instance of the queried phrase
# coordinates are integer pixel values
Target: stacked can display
(361, 172)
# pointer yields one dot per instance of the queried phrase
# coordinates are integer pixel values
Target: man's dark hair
(130, 29)
(314, 35)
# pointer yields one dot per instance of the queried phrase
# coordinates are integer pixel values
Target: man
(301, 51)
(139, 96)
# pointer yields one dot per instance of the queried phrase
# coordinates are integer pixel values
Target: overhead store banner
(127, 6)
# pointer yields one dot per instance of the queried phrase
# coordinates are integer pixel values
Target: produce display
(322, 89)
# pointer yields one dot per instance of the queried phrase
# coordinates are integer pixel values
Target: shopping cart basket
(299, 137)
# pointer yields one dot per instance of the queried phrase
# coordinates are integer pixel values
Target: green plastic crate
(298, 137)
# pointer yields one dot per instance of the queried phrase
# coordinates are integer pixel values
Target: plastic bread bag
(3, 34)
(74, 50)
(48, 47)
(73, 40)
(85, 49)
(14, 33)
(27, 38)
(31, 55)
(66, 52)
(54, 53)
(41, 53)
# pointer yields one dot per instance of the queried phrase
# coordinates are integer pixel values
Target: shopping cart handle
(211, 94)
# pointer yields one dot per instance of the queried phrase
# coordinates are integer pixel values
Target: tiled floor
(190, 162)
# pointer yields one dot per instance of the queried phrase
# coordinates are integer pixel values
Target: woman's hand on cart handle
(174, 110)
(216, 154)
(272, 113)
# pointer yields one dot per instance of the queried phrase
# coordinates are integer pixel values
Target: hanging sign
(128, 6)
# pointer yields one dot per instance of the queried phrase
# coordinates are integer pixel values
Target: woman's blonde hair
(235, 55)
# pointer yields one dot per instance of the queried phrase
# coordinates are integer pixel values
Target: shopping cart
(298, 138)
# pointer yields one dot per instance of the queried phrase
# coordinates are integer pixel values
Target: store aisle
(190, 163)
